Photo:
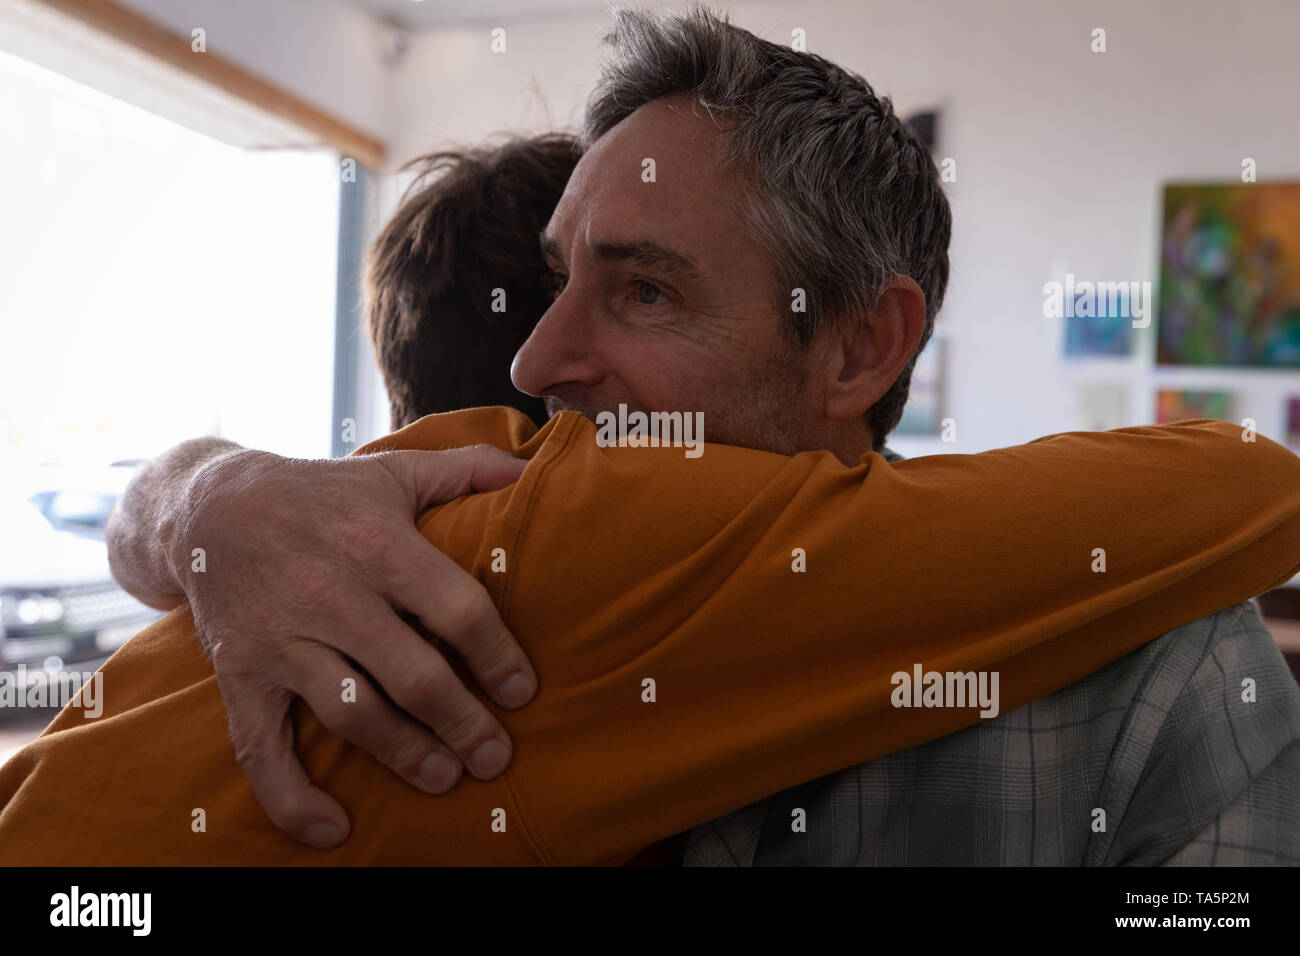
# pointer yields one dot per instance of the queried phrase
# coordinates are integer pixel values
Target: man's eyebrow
(645, 253)
(550, 248)
(648, 254)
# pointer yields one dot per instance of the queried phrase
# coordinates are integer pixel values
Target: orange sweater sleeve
(631, 565)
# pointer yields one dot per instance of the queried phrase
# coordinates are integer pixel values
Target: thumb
(432, 477)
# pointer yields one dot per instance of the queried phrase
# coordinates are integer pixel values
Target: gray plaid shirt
(1163, 742)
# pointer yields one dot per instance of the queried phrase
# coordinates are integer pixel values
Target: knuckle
(365, 541)
(403, 752)
(314, 585)
(492, 653)
(427, 679)
(464, 613)
(462, 725)
(339, 716)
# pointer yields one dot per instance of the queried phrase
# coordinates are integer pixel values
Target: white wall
(1061, 154)
(452, 88)
(327, 52)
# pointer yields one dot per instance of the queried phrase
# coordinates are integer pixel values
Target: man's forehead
(674, 132)
(659, 166)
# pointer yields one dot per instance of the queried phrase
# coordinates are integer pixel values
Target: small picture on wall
(1101, 406)
(922, 110)
(1293, 421)
(926, 124)
(1109, 334)
(1174, 405)
(923, 411)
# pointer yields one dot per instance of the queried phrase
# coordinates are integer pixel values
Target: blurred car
(83, 513)
(59, 604)
(76, 499)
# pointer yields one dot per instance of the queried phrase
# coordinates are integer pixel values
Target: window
(156, 284)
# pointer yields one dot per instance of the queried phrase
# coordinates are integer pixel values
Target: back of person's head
(841, 193)
(466, 228)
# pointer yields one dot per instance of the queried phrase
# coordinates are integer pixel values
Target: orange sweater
(631, 564)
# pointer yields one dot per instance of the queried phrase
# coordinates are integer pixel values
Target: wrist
(182, 525)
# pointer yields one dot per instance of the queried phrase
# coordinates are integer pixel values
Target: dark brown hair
(467, 226)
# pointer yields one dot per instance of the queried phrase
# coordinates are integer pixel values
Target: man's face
(665, 301)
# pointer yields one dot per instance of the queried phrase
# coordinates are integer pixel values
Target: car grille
(97, 619)
(85, 609)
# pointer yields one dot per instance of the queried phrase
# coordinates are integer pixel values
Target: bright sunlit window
(156, 284)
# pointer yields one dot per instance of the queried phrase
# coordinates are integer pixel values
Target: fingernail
(323, 835)
(439, 772)
(490, 758)
(517, 690)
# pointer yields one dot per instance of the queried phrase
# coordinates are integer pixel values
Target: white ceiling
(430, 14)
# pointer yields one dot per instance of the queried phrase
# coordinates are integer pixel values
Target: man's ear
(869, 355)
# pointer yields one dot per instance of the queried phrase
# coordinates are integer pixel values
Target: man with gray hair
(778, 173)
(753, 234)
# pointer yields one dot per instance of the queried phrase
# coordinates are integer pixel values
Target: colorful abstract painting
(1174, 405)
(1230, 275)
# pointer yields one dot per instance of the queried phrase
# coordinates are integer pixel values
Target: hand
(306, 562)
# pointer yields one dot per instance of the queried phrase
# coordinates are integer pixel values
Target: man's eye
(554, 284)
(648, 293)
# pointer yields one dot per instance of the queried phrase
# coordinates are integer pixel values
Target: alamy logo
(651, 430)
(102, 909)
(41, 688)
(1098, 300)
(923, 688)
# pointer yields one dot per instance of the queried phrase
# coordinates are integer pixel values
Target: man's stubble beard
(767, 417)
(769, 414)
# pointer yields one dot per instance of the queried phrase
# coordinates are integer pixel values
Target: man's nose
(559, 352)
